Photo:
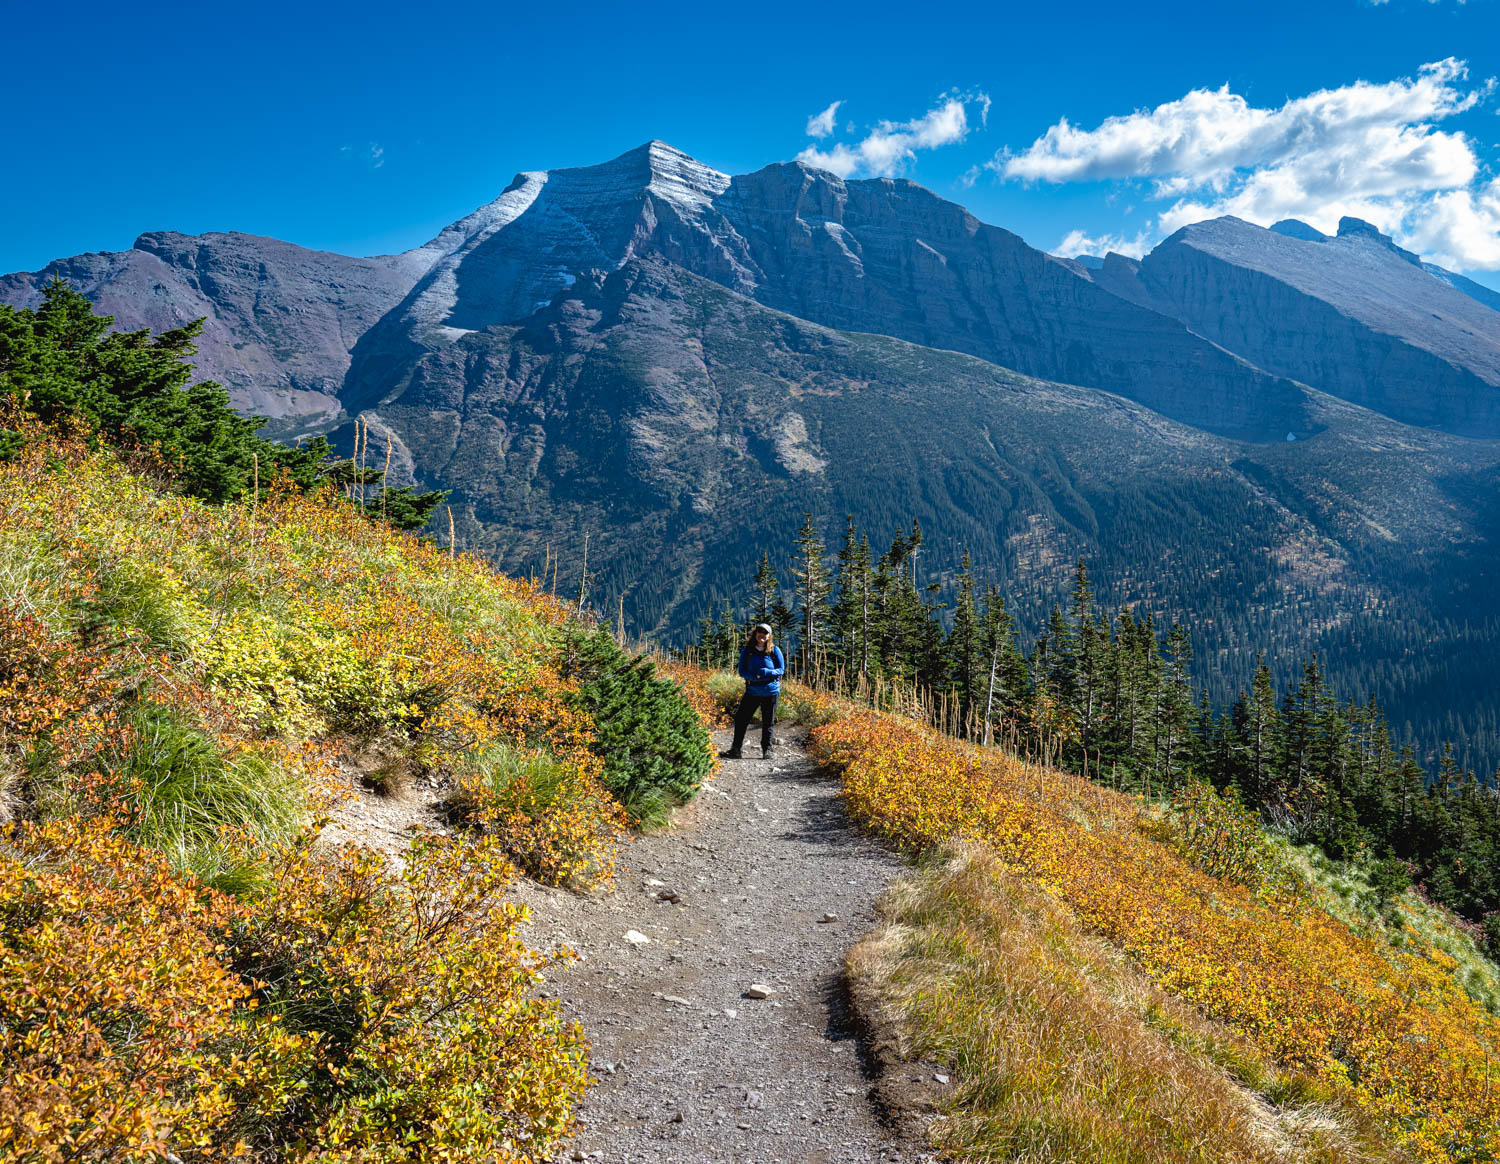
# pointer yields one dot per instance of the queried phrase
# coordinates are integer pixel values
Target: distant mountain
(1293, 228)
(280, 320)
(1355, 316)
(879, 255)
(1254, 429)
(1473, 290)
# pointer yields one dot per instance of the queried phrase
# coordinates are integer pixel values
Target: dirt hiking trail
(763, 880)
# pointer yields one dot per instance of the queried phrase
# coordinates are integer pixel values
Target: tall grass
(204, 808)
(1062, 1050)
(1387, 1031)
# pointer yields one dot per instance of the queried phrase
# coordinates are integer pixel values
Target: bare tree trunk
(583, 578)
(989, 703)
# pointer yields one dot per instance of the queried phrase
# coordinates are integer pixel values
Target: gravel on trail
(762, 886)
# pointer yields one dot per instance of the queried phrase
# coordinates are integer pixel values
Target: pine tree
(1089, 659)
(812, 597)
(1007, 691)
(766, 603)
(967, 664)
(1257, 735)
(851, 611)
(62, 364)
(1175, 711)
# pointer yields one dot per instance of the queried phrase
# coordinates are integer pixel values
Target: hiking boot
(729, 754)
(765, 753)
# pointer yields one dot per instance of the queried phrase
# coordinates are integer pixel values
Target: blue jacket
(762, 672)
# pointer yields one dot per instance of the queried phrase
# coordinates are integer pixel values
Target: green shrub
(726, 688)
(1491, 931)
(1389, 879)
(655, 749)
(1223, 838)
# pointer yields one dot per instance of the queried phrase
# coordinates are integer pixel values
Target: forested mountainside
(674, 364)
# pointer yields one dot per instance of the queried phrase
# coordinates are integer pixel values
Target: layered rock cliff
(880, 256)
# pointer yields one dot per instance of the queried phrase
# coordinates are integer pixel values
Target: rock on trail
(690, 1063)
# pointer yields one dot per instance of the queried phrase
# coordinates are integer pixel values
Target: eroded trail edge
(763, 880)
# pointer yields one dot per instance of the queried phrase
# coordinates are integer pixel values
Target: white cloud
(822, 124)
(1369, 150)
(1077, 242)
(1461, 228)
(888, 148)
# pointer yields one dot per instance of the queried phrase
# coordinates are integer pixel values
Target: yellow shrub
(339, 1013)
(165, 668)
(1391, 1031)
(115, 1012)
(418, 994)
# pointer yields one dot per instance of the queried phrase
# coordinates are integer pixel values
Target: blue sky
(364, 128)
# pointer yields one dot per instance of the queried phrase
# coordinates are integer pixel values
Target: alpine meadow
(712, 658)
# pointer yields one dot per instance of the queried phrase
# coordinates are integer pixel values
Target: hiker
(761, 667)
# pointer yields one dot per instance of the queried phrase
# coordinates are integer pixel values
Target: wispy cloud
(1366, 149)
(372, 155)
(822, 124)
(891, 146)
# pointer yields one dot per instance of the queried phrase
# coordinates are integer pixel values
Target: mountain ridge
(677, 364)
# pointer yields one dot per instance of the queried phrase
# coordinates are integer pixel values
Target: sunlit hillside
(1113, 983)
(185, 690)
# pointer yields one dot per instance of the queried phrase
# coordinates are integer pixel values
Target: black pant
(749, 705)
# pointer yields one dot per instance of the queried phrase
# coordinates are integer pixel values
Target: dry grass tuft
(10, 789)
(1061, 1049)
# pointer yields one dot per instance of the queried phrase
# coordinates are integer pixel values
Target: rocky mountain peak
(655, 168)
(1296, 228)
(680, 178)
(1358, 228)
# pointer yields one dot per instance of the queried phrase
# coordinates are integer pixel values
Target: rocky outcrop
(1355, 316)
(889, 256)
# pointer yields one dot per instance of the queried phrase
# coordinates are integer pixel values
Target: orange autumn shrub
(340, 1013)
(114, 1007)
(306, 619)
(549, 810)
(692, 681)
(1389, 1031)
(417, 993)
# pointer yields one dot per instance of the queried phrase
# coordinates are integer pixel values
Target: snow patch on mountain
(438, 292)
(685, 182)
